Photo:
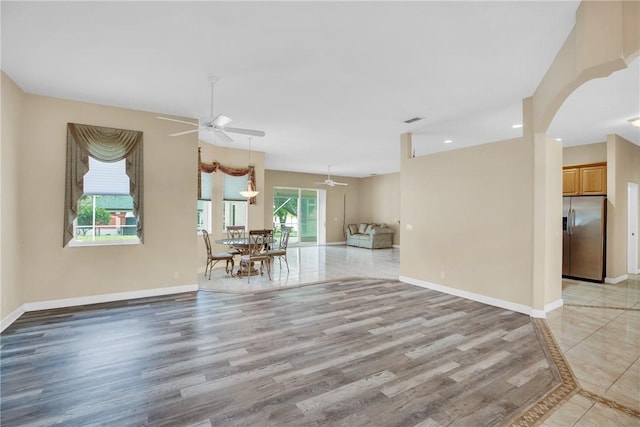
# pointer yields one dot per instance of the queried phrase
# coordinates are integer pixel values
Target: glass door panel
(308, 218)
(296, 208)
(285, 212)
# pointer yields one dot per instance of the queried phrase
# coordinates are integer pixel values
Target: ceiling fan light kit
(635, 122)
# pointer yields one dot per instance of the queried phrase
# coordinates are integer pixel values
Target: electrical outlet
(409, 227)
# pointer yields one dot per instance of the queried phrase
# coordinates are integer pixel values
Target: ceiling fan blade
(221, 121)
(245, 131)
(223, 136)
(184, 132)
(176, 120)
(339, 183)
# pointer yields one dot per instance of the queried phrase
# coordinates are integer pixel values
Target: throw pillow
(362, 227)
(353, 229)
(368, 229)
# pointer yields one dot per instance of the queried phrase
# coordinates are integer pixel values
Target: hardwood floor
(344, 352)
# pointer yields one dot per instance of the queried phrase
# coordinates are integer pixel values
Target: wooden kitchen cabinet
(570, 182)
(584, 180)
(593, 180)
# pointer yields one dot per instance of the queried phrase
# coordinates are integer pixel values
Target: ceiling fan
(330, 182)
(216, 125)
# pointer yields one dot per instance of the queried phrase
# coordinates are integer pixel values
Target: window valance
(107, 145)
(216, 166)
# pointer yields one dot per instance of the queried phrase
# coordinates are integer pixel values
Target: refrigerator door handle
(572, 221)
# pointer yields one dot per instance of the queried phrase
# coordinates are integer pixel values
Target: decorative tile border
(609, 403)
(542, 409)
(607, 307)
(568, 386)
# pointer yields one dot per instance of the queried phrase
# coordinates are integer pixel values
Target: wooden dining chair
(259, 241)
(280, 251)
(213, 259)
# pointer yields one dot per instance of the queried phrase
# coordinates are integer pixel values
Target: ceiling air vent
(414, 119)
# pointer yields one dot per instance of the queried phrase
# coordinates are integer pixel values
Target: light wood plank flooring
(372, 352)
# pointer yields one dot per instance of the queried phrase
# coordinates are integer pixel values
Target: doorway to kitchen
(303, 209)
(632, 228)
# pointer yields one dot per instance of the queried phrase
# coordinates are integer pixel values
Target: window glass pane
(233, 185)
(204, 215)
(105, 218)
(106, 178)
(234, 213)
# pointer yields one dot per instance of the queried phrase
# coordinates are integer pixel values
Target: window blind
(106, 178)
(205, 186)
(233, 185)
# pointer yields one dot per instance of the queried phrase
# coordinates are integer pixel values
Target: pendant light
(250, 192)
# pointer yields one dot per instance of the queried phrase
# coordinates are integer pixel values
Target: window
(234, 213)
(204, 215)
(104, 197)
(105, 210)
(234, 206)
(204, 203)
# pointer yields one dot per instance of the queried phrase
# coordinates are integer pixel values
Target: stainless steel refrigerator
(584, 221)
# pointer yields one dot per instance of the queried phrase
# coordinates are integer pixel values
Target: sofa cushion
(368, 228)
(362, 228)
(353, 229)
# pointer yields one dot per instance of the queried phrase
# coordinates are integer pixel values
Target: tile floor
(598, 328)
(308, 264)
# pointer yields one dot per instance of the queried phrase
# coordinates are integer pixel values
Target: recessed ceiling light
(635, 122)
(517, 126)
(448, 141)
(559, 139)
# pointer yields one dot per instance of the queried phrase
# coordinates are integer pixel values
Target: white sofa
(369, 235)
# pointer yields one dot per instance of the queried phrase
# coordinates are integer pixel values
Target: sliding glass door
(301, 209)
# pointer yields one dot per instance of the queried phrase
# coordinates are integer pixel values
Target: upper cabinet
(584, 180)
(570, 181)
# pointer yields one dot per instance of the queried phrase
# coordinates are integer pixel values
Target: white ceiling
(329, 82)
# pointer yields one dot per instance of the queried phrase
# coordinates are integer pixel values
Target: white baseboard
(94, 299)
(541, 314)
(336, 243)
(7, 321)
(616, 280)
(395, 246)
(520, 308)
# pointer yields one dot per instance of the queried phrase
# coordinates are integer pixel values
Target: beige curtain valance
(107, 145)
(216, 166)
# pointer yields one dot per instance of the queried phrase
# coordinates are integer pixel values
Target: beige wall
(623, 167)
(11, 291)
(380, 201)
(343, 202)
(584, 154)
(167, 257)
(471, 217)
